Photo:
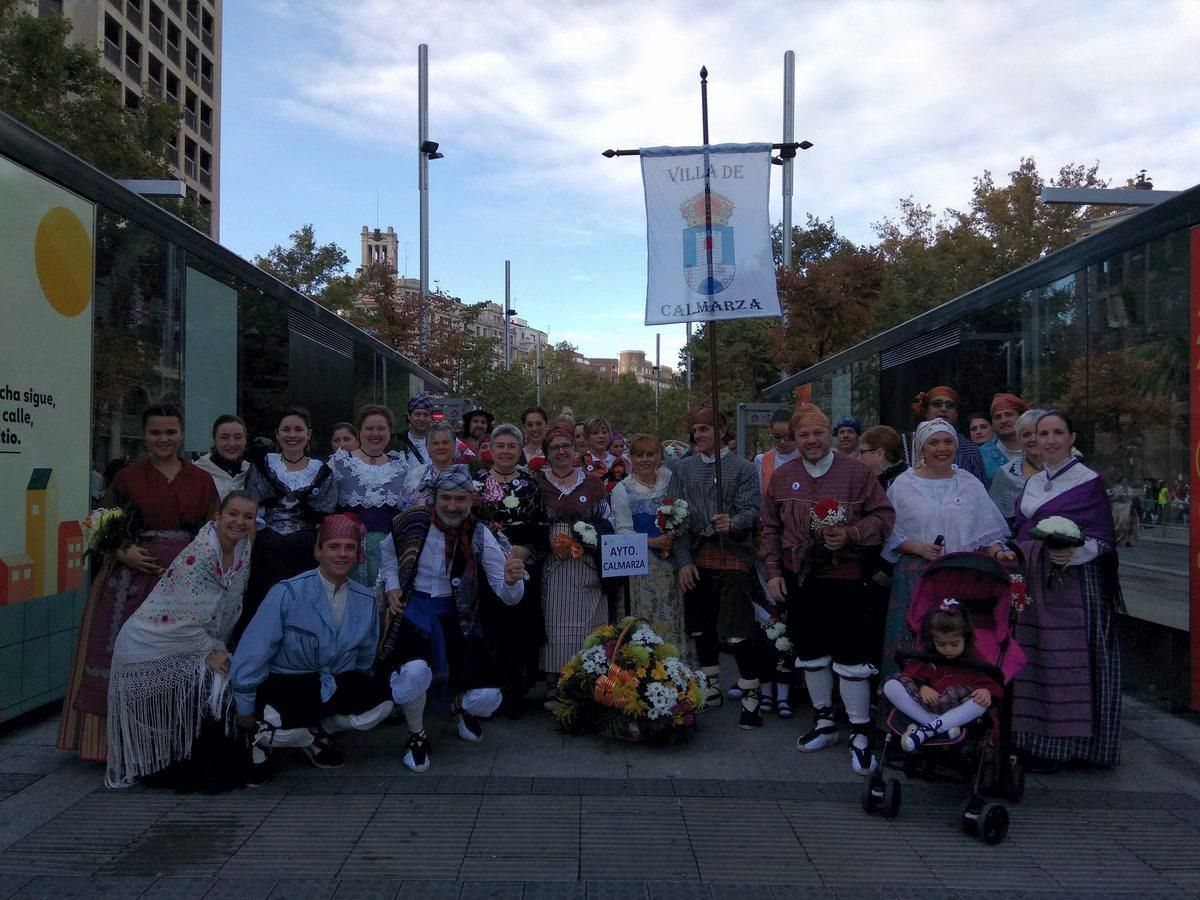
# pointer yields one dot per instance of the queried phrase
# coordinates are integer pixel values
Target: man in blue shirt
(302, 669)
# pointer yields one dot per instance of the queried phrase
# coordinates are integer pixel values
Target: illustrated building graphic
(16, 579)
(41, 502)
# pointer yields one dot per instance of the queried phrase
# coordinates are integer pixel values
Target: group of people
(255, 603)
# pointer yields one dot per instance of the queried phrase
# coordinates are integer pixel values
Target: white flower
(644, 636)
(1060, 526)
(586, 533)
(775, 630)
(511, 502)
(783, 645)
(661, 700)
(594, 660)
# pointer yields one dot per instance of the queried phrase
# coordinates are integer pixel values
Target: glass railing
(112, 52)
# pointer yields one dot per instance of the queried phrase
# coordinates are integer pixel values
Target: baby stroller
(982, 754)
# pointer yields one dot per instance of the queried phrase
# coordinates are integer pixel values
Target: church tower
(380, 248)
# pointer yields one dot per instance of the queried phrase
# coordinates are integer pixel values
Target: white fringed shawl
(160, 686)
(964, 516)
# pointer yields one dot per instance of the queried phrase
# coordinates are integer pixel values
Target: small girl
(943, 696)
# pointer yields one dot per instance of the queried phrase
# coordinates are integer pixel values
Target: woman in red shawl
(168, 499)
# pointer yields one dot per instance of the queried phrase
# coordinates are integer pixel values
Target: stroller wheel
(993, 822)
(891, 799)
(872, 793)
(1015, 789)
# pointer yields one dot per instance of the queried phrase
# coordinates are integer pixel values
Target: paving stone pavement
(532, 813)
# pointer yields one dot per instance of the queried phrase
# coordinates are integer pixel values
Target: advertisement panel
(46, 284)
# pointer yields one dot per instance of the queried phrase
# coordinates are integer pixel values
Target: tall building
(635, 361)
(170, 49)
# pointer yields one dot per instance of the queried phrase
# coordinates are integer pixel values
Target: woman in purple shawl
(1067, 700)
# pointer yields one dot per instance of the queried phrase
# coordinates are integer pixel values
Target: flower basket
(628, 684)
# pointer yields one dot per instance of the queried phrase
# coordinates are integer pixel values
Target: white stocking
(481, 702)
(967, 711)
(414, 714)
(818, 678)
(900, 698)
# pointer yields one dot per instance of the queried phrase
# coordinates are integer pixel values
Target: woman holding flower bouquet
(509, 502)
(162, 501)
(597, 460)
(1067, 699)
(647, 503)
(938, 510)
(573, 600)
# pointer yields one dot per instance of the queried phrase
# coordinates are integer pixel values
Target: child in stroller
(968, 726)
(938, 693)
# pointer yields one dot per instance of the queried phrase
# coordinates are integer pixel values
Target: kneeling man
(302, 670)
(431, 568)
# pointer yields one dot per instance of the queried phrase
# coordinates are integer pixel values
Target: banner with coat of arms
(701, 272)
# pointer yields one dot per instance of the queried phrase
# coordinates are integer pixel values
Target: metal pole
(657, 370)
(537, 369)
(507, 316)
(687, 359)
(789, 135)
(711, 324)
(423, 180)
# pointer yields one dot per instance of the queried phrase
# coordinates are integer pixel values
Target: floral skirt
(657, 598)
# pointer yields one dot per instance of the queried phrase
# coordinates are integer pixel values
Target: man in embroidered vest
(817, 570)
(302, 669)
(430, 569)
(715, 562)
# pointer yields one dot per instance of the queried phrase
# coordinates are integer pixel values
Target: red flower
(486, 456)
(825, 508)
(537, 462)
(191, 560)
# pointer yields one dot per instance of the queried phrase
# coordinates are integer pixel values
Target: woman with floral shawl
(509, 502)
(170, 663)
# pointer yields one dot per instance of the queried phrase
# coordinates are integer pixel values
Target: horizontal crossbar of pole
(792, 146)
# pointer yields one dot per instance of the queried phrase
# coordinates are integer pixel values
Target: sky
(319, 123)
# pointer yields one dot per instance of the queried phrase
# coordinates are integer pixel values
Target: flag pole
(711, 325)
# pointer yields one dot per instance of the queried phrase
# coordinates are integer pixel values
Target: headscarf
(420, 401)
(922, 399)
(456, 477)
(806, 416)
(557, 431)
(1008, 401)
(849, 422)
(926, 430)
(704, 416)
(344, 526)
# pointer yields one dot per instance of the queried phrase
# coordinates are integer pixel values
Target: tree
(62, 91)
(930, 259)
(744, 367)
(313, 270)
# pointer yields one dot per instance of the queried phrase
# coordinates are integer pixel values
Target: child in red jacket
(942, 696)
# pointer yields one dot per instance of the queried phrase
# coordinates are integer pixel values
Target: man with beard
(431, 568)
(477, 425)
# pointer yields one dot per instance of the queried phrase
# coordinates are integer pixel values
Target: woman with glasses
(881, 448)
(440, 443)
(573, 599)
(942, 402)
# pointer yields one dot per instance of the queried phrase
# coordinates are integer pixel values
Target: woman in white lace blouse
(370, 483)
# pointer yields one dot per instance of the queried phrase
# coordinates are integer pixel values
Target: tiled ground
(533, 813)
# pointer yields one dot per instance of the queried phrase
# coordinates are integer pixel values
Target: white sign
(713, 267)
(623, 554)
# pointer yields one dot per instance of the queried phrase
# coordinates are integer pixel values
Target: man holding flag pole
(709, 258)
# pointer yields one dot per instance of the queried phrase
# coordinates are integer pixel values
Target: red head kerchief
(1008, 401)
(342, 526)
(922, 399)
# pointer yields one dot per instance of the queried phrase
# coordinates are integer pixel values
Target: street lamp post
(426, 150)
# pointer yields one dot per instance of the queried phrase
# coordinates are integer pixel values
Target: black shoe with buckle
(322, 752)
(416, 751)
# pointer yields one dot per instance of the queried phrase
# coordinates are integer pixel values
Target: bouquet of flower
(671, 519)
(1058, 533)
(776, 634)
(826, 513)
(1020, 595)
(581, 535)
(537, 463)
(628, 683)
(107, 530)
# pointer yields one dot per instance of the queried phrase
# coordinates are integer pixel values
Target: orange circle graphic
(62, 256)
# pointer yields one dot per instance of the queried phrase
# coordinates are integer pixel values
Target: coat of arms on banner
(695, 244)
